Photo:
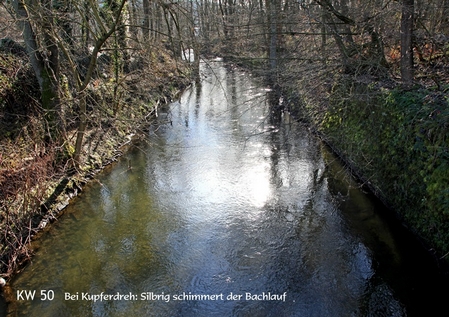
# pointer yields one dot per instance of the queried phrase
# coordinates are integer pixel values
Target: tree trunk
(272, 48)
(83, 84)
(323, 35)
(45, 63)
(81, 128)
(146, 20)
(407, 42)
(85, 30)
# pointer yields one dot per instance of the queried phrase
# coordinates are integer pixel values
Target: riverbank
(396, 141)
(37, 176)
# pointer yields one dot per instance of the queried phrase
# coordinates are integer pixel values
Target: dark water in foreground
(226, 211)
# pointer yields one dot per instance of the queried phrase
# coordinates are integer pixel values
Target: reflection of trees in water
(334, 265)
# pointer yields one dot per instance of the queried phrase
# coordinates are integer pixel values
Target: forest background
(80, 78)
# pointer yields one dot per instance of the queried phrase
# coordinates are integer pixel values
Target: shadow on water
(228, 211)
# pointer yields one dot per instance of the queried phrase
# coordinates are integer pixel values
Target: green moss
(399, 140)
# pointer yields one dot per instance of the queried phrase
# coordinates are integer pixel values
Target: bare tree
(81, 84)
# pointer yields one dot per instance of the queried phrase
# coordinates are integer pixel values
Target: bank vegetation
(77, 82)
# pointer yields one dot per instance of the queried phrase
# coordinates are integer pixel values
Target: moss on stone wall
(399, 142)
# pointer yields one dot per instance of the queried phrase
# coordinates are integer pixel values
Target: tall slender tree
(408, 7)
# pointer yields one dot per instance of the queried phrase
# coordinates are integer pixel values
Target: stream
(225, 209)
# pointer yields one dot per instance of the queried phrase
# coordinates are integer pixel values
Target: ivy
(400, 141)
